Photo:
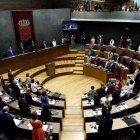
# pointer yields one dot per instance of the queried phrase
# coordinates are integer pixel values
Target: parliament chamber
(69, 70)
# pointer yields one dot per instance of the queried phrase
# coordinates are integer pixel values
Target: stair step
(78, 65)
(73, 51)
(81, 52)
(80, 58)
(78, 69)
(79, 61)
(78, 72)
(73, 122)
(80, 55)
(73, 128)
(71, 116)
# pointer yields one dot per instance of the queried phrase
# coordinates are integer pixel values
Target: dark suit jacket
(130, 65)
(24, 107)
(137, 80)
(100, 41)
(108, 65)
(112, 67)
(116, 97)
(28, 98)
(90, 51)
(11, 78)
(16, 90)
(97, 100)
(97, 61)
(46, 116)
(7, 124)
(33, 47)
(22, 50)
(105, 127)
(10, 53)
(43, 46)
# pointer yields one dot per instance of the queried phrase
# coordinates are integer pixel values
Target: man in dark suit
(116, 95)
(90, 52)
(28, 97)
(10, 76)
(137, 81)
(16, 89)
(130, 66)
(97, 59)
(44, 45)
(33, 46)
(105, 126)
(10, 52)
(7, 124)
(100, 40)
(24, 106)
(107, 64)
(22, 48)
(112, 66)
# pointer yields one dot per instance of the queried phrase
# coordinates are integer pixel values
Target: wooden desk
(97, 73)
(33, 59)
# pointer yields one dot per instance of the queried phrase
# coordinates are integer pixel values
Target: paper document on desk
(45, 127)
(84, 96)
(30, 126)
(121, 107)
(35, 98)
(138, 99)
(95, 113)
(38, 112)
(17, 122)
(1, 93)
(94, 128)
(38, 88)
(90, 113)
(52, 102)
(22, 91)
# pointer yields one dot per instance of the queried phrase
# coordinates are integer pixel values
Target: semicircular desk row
(116, 112)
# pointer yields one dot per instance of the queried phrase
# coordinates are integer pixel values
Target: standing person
(93, 40)
(54, 43)
(91, 93)
(44, 45)
(67, 39)
(44, 98)
(28, 80)
(136, 72)
(107, 106)
(107, 64)
(100, 40)
(97, 59)
(130, 66)
(7, 124)
(83, 39)
(130, 89)
(33, 46)
(112, 66)
(78, 7)
(128, 40)
(112, 42)
(110, 55)
(72, 41)
(105, 126)
(10, 76)
(22, 48)
(37, 132)
(90, 37)
(110, 89)
(10, 52)
(121, 42)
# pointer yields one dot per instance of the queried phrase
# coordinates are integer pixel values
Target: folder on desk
(130, 121)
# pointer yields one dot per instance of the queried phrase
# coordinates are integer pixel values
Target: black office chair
(59, 43)
(29, 49)
(4, 54)
(123, 53)
(51, 45)
(102, 49)
(134, 56)
(19, 51)
(40, 46)
(114, 50)
(102, 55)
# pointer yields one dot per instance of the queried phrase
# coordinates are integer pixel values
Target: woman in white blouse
(54, 43)
(93, 40)
(34, 87)
(130, 88)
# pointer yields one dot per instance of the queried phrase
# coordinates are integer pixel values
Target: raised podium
(50, 69)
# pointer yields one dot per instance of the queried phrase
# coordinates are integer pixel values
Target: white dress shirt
(139, 49)
(54, 43)
(33, 87)
(92, 41)
(130, 89)
(111, 42)
(45, 45)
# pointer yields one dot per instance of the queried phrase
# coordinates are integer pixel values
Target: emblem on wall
(25, 31)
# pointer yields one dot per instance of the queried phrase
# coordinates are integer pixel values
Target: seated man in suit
(44, 45)
(16, 89)
(7, 124)
(21, 48)
(116, 95)
(97, 59)
(33, 46)
(100, 40)
(10, 52)
(90, 52)
(105, 126)
(107, 64)
(24, 106)
(28, 97)
(112, 66)
(10, 76)
(130, 66)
